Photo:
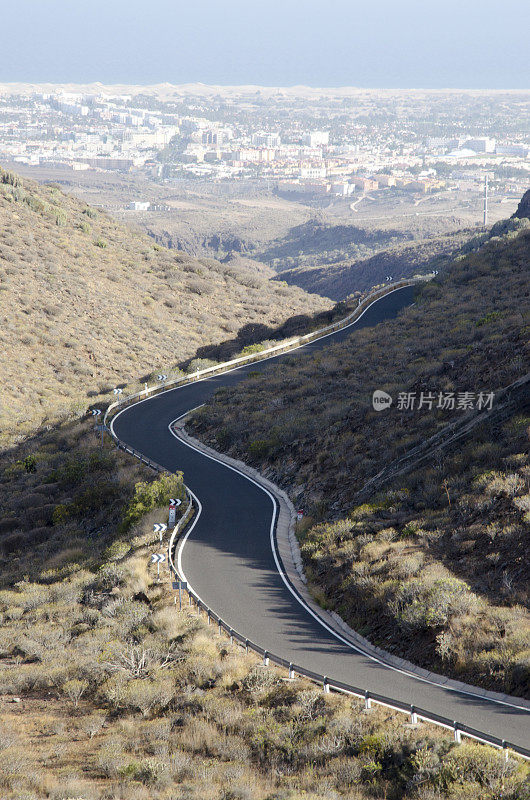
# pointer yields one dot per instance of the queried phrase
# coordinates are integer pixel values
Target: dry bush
(89, 253)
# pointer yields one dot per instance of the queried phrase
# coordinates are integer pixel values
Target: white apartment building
(316, 139)
(311, 172)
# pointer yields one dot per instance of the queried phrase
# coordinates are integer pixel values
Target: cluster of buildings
(80, 132)
(348, 151)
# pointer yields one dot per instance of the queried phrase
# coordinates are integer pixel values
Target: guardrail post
(367, 701)
(231, 633)
(219, 627)
(413, 716)
(291, 671)
(246, 645)
(458, 735)
(265, 659)
(326, 685)
(505, 750)
(209, 617)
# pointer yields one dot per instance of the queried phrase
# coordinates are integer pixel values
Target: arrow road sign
(173, 510)
(95, 412)
(118, 391)
(161, 377)
(157, 559)
(159, 527)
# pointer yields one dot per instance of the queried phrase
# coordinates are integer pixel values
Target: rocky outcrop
(523, 209)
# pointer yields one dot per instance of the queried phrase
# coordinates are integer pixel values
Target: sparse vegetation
(107, 690)
(339, 278)
(88, 304)
(433, 568)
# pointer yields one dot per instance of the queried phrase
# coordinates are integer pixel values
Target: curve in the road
(231, 565)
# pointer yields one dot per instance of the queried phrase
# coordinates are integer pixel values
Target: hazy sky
(374, 43)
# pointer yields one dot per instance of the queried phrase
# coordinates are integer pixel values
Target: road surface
(229, 562)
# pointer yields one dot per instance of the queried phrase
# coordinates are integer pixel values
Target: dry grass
(88, 304)
(425, 568)
(123, 697)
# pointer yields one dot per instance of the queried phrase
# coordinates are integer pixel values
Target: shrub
(61, 514)
(421, 604)
(74, 689)
(150, 495)
(30, 463)
(478, 764)
(146, 695)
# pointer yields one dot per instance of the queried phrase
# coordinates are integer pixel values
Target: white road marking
(294, 592)
(284, 578)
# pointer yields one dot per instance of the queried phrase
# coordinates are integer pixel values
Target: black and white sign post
(180, 585)
(95, 412)
(160, 528)
(158, 558)
(173, 504)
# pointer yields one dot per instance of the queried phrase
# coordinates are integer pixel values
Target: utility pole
(485, 221)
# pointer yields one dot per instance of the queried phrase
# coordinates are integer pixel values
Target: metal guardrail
(283, 347)
(415, 713)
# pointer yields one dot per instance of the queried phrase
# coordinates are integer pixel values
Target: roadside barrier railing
(284, 347)
(415, 713)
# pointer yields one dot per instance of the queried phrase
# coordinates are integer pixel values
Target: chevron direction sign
(173, 504)
(161, 377)
(159, 527)
(95, 412)
(118, 391)
(158, 558)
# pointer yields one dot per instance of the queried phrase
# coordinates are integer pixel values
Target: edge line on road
(293, 591)
(254, 363)
(272, 537)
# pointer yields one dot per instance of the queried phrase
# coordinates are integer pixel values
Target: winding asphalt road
(229, 561)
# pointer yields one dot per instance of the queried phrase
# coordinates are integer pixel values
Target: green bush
(61, 514)
(150, 495)
(30, 463)
(418, 604)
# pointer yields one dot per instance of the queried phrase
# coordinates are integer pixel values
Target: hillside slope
(433, 567)
(121, 695)
(338, 280)
(87, 303)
